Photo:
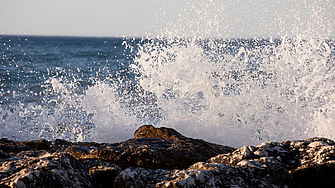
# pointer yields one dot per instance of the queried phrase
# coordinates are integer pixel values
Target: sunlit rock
(174, 161)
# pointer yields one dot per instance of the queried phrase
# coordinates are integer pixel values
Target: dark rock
(104, 176)
(302, 163)
(141, 177)
(4, 155)
(202, 147)
(174, 151)
(162, 157)
(148, 152)
(310, 162)
(38, 144)
(318, 175)
(13, 146)
(60, 142)
(198, 175)
(5, 140)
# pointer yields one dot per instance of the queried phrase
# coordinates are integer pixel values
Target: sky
(111, 18)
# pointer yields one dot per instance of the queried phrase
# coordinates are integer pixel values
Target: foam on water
(193, 79)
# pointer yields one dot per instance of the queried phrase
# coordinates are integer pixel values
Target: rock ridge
(162, 157)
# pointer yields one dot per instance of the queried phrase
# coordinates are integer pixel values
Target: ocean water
(46, 80)
(232, 91)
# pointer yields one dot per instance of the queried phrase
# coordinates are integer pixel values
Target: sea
(231, 91)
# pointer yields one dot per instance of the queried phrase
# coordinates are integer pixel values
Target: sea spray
(238, 91)
(196, 76)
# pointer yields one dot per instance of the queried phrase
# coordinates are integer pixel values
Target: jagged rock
(162, 157)
(46, 170)
(102, 173)
(302, 163)
(14, 147)
(35, 144)
(205, 148)
(198, 175)
(174, 151)
(310, 161)
(147, 152)
(38, 144)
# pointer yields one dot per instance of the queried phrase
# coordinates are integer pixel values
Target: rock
(42, 164)
(147, 152)
(104, 175)
(38, 144)
(174, 151)
(46, 170)
(198, 175)
(207, 149)
(309, 162)
(162, 157)
(141, 177)
(317, 163)
(162, 132)
(35, 144)
(302, 163)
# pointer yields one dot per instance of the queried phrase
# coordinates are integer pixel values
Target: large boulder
(162, 132)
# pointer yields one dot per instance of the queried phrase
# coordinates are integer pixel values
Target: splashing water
(196, 79)
(243, 91)
(271, 92)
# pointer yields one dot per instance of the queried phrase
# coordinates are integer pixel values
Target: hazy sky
(232, 18)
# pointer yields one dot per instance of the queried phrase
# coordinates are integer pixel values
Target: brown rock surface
(162, 132)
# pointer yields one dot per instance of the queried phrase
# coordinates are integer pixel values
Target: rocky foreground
(162, 157)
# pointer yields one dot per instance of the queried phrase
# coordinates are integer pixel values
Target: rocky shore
(162, 157)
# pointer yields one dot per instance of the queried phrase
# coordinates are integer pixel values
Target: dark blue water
(27, 62)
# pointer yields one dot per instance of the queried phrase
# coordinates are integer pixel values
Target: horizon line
(148, 37)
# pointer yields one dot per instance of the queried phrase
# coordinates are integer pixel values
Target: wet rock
(154, 148)
(4, 155)
(205, 148)
(104, 175)
(198, 175)
(162, 157)
(141, 177)
(147, 152)
(303, 163)
(309, 162)
(162, 132)
(45, 170)
(14, 147)
(38, 144)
